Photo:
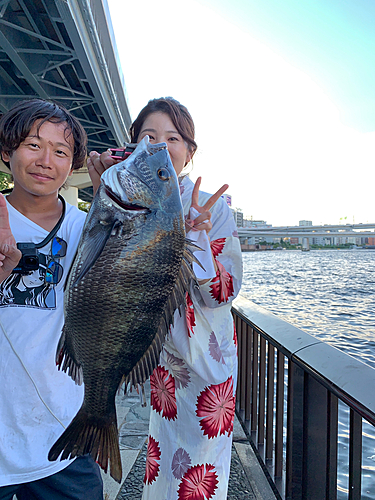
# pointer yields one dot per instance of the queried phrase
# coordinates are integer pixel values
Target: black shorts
(81, 480)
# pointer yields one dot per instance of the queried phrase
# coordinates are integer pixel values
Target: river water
(329, 294)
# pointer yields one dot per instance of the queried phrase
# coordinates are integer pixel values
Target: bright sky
(282, 95)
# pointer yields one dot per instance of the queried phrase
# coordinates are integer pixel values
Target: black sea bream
(132, 270)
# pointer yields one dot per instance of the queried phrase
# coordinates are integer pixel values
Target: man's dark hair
(15, 126)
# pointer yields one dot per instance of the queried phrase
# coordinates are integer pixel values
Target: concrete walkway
(247, 480)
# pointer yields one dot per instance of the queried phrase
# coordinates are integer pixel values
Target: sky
(282, 95)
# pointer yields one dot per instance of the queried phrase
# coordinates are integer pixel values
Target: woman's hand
(97, 164)
(203, 221)
(10, 255)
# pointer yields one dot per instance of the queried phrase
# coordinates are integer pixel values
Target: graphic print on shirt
(30, 290)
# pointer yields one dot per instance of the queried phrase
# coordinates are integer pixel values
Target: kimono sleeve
(226, 249)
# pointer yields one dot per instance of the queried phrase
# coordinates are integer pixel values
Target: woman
(193, 388)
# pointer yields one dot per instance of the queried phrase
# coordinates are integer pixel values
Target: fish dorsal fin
(177, 300)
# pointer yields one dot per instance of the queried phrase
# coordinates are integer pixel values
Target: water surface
(329, 294)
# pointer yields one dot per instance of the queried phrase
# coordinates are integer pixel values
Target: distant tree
(84, 206)
(5, 181)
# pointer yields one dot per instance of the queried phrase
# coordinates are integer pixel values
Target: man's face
(43, 161)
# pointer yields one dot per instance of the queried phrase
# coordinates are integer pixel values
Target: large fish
(131, 272)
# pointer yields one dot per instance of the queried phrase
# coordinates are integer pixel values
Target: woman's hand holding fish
(9, 253)
(203, 221)
(97, 164)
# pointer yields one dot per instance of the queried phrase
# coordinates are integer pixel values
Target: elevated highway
(65, 50)
(328, 231)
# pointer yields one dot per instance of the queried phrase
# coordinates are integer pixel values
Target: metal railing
(289, 386)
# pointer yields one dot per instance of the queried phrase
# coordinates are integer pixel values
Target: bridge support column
(70, 195)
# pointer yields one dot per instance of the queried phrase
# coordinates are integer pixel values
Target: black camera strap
(52, 234)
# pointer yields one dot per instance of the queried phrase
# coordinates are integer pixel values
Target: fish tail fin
(87, 434)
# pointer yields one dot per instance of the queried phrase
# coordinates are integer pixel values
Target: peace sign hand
(9, 253)
(203, 221)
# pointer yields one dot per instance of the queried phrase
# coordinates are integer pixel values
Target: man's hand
(9, 253)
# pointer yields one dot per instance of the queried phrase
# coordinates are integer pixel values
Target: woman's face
(159, 127)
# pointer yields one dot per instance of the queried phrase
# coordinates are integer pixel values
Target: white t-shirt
(31, 320)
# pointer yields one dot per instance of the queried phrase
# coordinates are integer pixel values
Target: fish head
(145, 180)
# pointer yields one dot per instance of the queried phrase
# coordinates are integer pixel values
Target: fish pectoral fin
(66, 361)
(189, 248)
(93, 247)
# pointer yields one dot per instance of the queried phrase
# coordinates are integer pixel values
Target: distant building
(259, 224)
(228, 199)
(238, 216)
(305, 223)
(320, 240)
(255, 223)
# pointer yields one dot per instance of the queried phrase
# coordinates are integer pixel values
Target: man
(42, 143)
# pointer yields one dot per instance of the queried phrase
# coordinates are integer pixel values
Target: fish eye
(163, 174)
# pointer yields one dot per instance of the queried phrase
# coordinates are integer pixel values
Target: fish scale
(132, 270)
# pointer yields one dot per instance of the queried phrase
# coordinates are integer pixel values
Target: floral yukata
(193, 388)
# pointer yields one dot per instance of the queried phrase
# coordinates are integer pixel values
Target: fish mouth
(125, 206)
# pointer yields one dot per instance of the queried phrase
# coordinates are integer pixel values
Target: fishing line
(29, 375)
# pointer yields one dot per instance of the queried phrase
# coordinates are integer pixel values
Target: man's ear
(5, 156)
(71, 172)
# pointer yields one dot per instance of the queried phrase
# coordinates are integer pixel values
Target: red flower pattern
(217, 246)
(190, 315)
(198, 483)
(216, 404)
(152, 459)
(163, 394)
(234, 334)
(222, 286)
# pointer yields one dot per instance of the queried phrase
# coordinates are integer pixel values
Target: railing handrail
(339, 372)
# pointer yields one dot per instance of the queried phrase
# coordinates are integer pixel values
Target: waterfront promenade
(247, 480)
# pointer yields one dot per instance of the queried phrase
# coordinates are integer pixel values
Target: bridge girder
(64, 50)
